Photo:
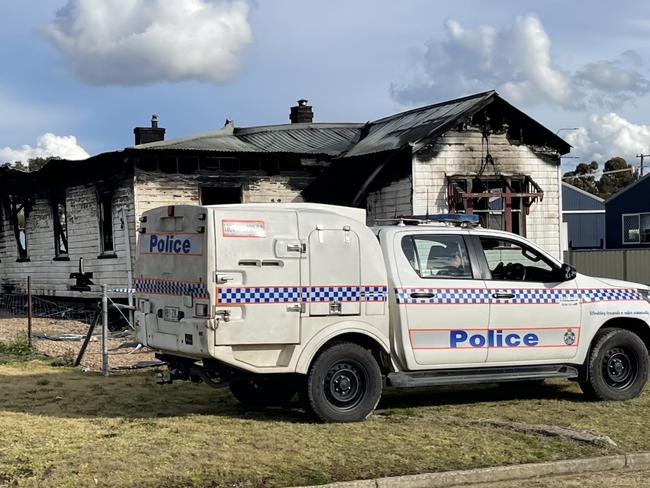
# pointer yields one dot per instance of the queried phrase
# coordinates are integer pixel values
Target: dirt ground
(121, 345)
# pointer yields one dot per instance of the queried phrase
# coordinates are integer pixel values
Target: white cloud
(47, 145)
(517, 61)
(607, 136)
(132, 42)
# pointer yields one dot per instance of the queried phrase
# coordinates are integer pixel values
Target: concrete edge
(501, 473)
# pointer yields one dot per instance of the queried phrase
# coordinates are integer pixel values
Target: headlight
(645, 294)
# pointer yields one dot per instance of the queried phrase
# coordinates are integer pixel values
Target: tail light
(201, 310)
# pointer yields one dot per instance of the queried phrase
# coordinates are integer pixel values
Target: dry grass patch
(60, 427)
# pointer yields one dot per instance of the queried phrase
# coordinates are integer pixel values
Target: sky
(79, 75)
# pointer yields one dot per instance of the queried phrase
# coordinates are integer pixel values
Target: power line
(642, 156)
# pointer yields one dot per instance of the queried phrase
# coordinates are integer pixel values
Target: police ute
(274, 300)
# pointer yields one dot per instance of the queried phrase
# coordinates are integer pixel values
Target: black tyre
(617, 366)
(264, 392)
(344, 384)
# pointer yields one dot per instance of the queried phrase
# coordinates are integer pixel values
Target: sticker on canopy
(243, 228)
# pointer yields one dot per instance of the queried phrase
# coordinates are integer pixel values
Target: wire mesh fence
(16, 306)
(60, 329)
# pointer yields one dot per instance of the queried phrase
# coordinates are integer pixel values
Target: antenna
(427, 201)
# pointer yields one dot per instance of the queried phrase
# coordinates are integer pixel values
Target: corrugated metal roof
(416, 127)
(395, 131)
(330, 139)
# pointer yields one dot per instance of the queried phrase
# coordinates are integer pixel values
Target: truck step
(480, 375)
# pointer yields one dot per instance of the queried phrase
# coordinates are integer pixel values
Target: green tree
(583, 177)
(611, 183)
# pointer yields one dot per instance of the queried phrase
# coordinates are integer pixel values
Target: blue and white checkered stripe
(260, 294)
(533, 296)
(374, 293)
(609, 294)
(521, 296)
(293, 294)
(443, 296)
(152, 286)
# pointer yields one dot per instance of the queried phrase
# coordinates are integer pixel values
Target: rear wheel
(264, 392)
(343, 384)
(617, 367)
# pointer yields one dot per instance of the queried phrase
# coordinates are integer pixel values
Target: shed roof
(643, 179)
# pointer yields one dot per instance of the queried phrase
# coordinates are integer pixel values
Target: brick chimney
(301, 113)
(154, 133)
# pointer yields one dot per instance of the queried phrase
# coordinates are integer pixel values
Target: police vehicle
(278, 299)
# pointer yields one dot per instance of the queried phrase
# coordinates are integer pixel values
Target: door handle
(221, 279)
(503, 295)
(422, 295)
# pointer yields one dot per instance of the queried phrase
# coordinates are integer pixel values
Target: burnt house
(477, 154)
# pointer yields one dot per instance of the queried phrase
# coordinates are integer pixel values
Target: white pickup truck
(278, 299)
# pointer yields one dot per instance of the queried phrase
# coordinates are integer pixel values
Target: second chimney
(143, 135)
(301, 113)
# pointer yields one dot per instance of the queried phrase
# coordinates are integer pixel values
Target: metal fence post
(29, 311)
(105, 330)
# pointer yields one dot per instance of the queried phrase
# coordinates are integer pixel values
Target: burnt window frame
(472, 193)
(16, 205)
(61, 235)
(105, 195)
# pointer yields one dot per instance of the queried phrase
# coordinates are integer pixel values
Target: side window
(510, 261)
(19, 217)
(437, 256)
(60, 220)
(105, 203)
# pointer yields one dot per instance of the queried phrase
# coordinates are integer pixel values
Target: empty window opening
(60, 220)
(188, 165)
(168, 164)
(229, 165)
(219, 195)
(105, 204)
(148, 162)
(19, 216)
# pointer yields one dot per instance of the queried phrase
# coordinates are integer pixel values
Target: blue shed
(584, 217)
(628, 216)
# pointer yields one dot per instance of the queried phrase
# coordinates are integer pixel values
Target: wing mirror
(567, 272)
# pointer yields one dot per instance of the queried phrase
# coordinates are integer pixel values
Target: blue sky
(98, 68)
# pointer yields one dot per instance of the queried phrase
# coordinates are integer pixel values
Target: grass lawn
(60, 427)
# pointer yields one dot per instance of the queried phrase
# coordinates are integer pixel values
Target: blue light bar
(454, 218)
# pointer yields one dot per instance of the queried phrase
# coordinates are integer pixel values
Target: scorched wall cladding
(461, 153)
(155, 189)
(391, 201)
(52, 277)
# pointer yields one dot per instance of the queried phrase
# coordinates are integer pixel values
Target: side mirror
(567, 272)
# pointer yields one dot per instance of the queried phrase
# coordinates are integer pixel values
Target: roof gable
(419, 126)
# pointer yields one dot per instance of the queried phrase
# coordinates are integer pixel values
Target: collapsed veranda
(477, 154)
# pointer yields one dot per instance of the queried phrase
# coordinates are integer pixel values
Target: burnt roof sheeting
(419, 126)
(329, 139)
(396, 131)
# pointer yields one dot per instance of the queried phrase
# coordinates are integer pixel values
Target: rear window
(437, 256)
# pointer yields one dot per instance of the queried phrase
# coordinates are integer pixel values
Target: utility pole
(641, 156)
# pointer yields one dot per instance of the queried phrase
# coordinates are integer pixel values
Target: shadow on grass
(69, 393)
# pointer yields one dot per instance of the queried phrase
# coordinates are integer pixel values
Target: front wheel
(617, 367)
(343, 384)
